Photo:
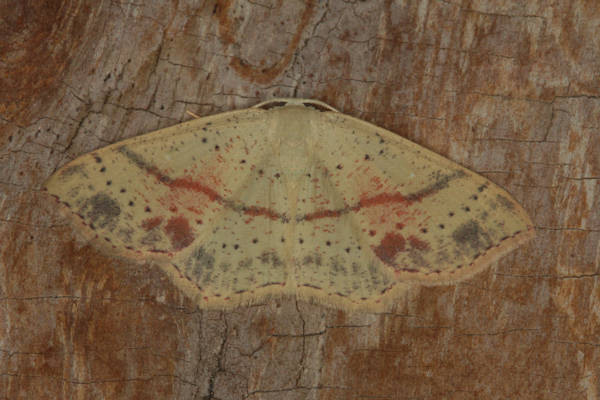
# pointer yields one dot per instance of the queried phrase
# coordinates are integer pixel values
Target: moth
(289, 198)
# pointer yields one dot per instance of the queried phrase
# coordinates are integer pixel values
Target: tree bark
(509, 89)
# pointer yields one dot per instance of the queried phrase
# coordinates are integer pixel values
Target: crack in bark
(298, 388)
(500, 333)
(549, 276)
(565, 228)
(220, 356)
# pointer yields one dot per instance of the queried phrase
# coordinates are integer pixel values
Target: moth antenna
(196, 116)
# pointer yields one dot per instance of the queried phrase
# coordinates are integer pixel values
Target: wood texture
(510, 89)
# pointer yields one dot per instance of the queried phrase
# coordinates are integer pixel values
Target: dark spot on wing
(472, 235)
(270, 258)
(102, 210)
(200, 263)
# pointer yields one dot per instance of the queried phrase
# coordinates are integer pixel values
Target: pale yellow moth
(290, 197)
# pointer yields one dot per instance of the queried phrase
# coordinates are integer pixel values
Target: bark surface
(510, 89)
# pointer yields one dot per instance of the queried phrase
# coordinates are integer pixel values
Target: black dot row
(451, 214)
(301, 241)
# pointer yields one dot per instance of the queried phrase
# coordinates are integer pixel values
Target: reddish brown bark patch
(38, 39)
(260, 74)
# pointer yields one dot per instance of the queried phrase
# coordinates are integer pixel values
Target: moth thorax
(294, 131)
